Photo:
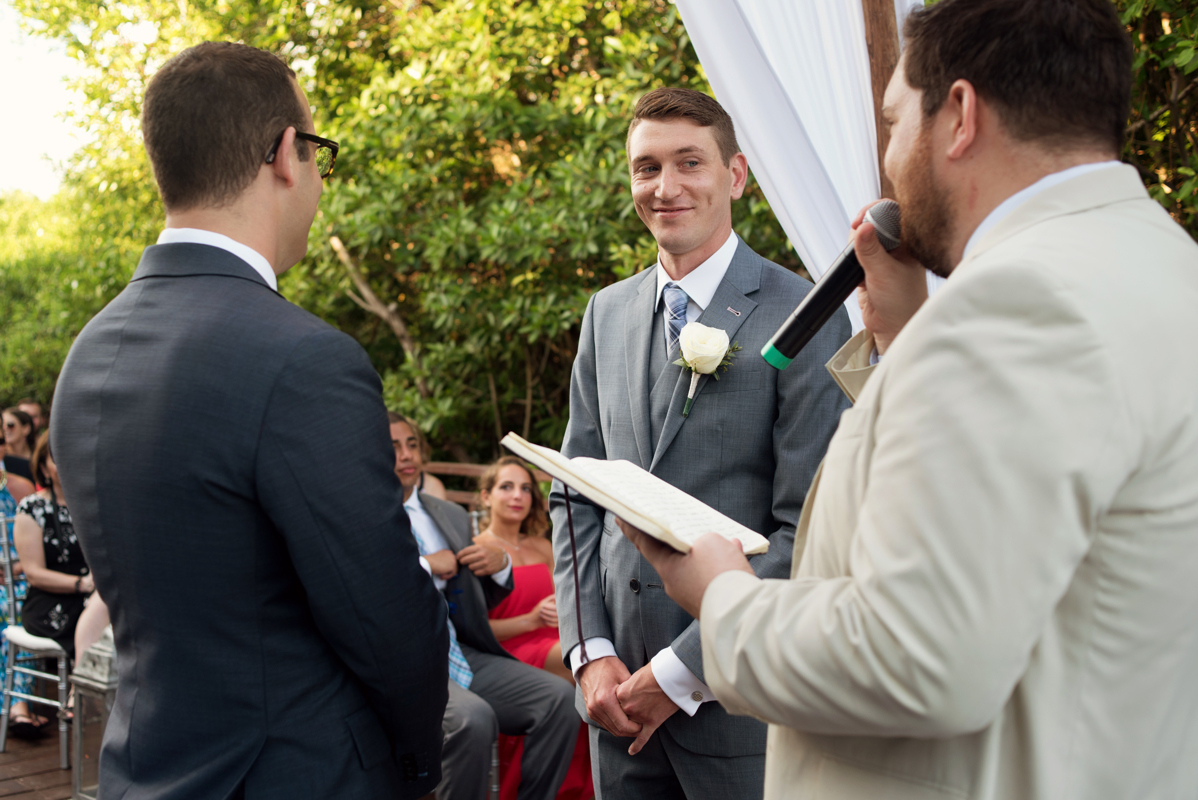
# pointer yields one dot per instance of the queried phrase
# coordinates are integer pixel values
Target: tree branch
(369, 301)
(527, 391)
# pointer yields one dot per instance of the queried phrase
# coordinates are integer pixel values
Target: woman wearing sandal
(13, 489)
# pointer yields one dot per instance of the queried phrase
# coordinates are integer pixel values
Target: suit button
(635, 585)
(697, 697)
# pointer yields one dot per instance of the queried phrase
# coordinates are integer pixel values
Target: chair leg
(11, 651)
(63, 694)
(494, 793)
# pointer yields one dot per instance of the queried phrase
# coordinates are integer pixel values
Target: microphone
(831, 291)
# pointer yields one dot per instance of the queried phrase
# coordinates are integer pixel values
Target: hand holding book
(655, 507)
(686, 576)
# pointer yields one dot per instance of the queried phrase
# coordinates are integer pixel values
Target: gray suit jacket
(469, 597)
(749, 447)
(225, 455)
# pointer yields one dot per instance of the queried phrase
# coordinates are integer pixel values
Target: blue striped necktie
(459, 668)
(676, 300)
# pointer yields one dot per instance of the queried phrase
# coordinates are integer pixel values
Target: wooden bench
(469, 499)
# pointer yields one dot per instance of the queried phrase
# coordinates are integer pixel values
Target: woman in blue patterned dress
(13, 489)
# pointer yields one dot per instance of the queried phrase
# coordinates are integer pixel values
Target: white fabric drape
(794, 76)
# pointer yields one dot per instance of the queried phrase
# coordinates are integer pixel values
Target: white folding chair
(33, 648)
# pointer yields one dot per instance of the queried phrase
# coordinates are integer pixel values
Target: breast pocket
(738, 378)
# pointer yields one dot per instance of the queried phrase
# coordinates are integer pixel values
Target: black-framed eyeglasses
(326, 151)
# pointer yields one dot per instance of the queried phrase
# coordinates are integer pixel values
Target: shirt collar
(702, 281)
(1013, 202)
(413, 503)
(213, 239)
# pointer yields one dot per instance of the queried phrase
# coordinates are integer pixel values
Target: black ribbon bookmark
(574, 563)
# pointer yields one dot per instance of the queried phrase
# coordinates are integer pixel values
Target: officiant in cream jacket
(998, 592)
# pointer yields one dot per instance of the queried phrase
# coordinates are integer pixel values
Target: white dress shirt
(675, 678)
(702, 281)
(246, 253)
(431, 540)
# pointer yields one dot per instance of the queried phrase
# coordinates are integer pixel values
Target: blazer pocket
(738, 378)
(369, 737)
(840, 780)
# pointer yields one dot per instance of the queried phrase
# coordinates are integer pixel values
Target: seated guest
(19, 437)
(14, 489)
(489, 691)
(58, 577)
(525, 623)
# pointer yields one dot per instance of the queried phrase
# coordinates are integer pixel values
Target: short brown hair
(537, 521)
(209, 118)
(671, 102)
(1058, 71)
(394, 417)
(37, 461)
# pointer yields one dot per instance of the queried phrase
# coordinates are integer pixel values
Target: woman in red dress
(526, 622)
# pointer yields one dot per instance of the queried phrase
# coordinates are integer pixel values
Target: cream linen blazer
(998, 590)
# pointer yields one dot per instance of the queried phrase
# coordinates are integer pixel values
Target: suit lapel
(452, 535)
(729, 308)
(638, 326)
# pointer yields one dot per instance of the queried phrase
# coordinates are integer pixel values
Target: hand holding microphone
(876, 235)
(895, 284)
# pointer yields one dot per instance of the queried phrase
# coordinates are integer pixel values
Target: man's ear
(740, 174)
(962, 110)
(284, 165)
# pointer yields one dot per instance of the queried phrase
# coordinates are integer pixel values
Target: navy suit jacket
(225, 458)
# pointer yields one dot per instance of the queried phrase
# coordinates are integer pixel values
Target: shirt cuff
(678, 682)
(597, 648)
(503, 574)
(427, 567)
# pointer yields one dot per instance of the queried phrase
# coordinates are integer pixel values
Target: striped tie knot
(676, 300)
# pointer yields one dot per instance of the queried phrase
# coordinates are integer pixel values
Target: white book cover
(640, 498)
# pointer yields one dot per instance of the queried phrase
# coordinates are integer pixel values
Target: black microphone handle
(820, 304)
(832, 290)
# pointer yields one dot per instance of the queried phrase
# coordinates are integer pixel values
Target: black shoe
(26, 728)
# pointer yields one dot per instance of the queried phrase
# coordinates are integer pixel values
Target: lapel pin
(734, 311)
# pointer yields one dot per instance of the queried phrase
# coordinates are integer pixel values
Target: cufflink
(697, 697)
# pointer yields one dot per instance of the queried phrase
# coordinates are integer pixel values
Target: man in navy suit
(231, 485)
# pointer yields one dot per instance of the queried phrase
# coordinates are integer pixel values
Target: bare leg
(91, 625)
(554, 665)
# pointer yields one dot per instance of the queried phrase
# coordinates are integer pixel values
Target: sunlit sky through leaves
(33, 134)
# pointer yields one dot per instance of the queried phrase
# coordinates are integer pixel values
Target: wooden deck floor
(29, 771)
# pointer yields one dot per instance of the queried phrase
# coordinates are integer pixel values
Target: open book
(642, 499)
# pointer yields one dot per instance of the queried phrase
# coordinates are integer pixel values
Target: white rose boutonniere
(704, 350)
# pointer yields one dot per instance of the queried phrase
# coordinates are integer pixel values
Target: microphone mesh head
(887, 223)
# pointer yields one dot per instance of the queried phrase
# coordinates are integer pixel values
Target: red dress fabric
(532, 583)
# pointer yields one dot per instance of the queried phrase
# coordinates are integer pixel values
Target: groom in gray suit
(748, 447)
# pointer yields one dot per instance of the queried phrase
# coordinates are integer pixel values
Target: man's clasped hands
(633, 704)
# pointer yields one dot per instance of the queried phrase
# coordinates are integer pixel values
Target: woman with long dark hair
(20, 436)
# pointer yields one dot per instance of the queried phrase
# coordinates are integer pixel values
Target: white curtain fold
(794, 76)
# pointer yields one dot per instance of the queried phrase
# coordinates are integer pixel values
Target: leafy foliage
(1162, 140)
(480, 197)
